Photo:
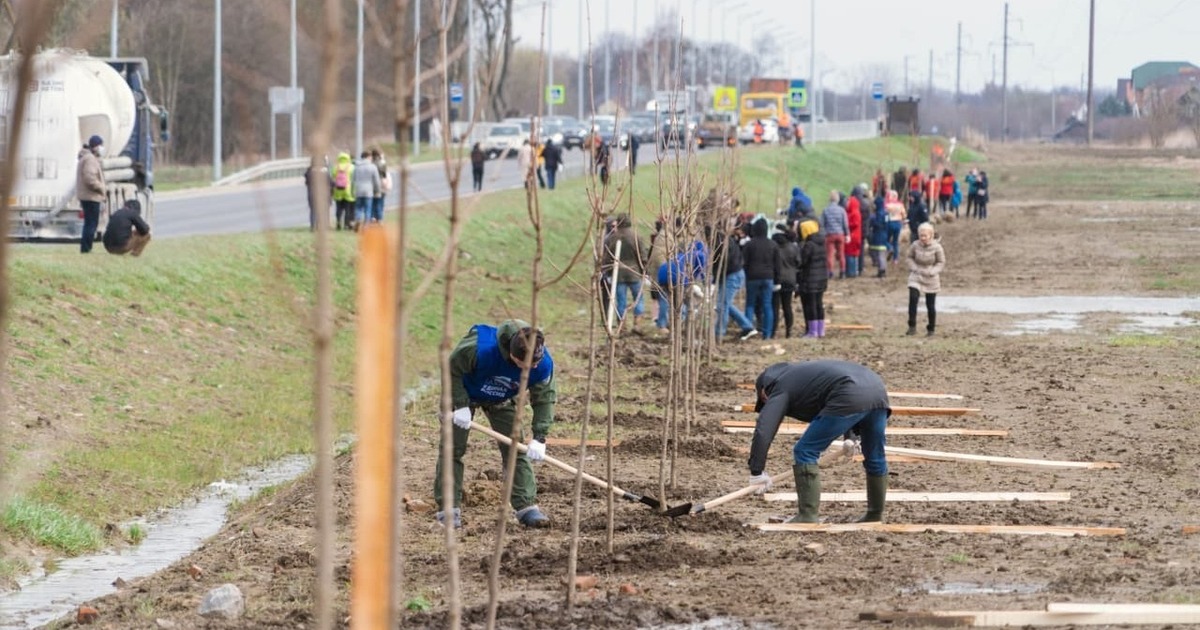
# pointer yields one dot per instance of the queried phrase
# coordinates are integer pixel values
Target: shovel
(686, 508)
(628, 496)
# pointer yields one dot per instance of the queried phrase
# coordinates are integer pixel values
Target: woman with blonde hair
(926, 258)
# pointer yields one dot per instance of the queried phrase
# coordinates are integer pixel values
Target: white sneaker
(749, 334)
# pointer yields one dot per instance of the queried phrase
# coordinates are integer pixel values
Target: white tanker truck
(74, 96)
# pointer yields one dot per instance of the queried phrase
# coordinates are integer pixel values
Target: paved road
(281, 204)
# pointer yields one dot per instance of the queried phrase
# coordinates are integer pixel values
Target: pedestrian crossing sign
(725, 98)
(556, 94)
(798, 97)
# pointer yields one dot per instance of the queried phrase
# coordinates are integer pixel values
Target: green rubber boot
(876, 496)
(808, 493)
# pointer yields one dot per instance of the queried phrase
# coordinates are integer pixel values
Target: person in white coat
(925, 261)
(525, 162)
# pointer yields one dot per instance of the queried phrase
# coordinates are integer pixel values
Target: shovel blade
(678, 510)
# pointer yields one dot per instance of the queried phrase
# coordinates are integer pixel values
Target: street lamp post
(416, 131)
(217, 94)
(295, 117)
(112, 43)
(607, 50)
(358, 89)
(549, 54)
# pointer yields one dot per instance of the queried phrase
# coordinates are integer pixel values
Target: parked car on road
(503, 140)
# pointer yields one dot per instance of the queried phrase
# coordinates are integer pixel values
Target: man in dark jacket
(918, 213)
(730, 268)
(553, 159)
(633, 256)
(485, 373)
(127, 232)
(761, 256)
(789, 267)
(836, 398)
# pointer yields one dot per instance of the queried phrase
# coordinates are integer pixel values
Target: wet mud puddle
(1065, 313)
(170, 535)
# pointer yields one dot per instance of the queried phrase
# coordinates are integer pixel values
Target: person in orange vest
(916, 183)
(800, 136)
(946, 190)
(758, 132)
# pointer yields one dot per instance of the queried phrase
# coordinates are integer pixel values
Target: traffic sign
(556, 94)
(798, 96)
(725, 98)
(456, 93)
(877, 91)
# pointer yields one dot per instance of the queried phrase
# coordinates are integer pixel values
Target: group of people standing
(357, 189)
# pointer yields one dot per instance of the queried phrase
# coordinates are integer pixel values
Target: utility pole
(1091, 60)
(813, 97)
(112, 44)
(217, 95)
(295, 113)
(1004, 85)
(695, 52)
(906, 91)
(633, 83)
(654, 53)
(416, 139)
(958, 69)
(929, 90)
(579, 90)
(549, 54)
(607, 49)
(470, 61)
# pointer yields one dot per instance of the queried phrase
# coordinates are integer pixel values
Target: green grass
(958, 558)
(49, 526)
(194, 361)
(12, 568)
(1141, 340)
(135, 534)
(1078, 173)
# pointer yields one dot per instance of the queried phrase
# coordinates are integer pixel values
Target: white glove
(851, 447)
(537, 451)
(777, 287)
(462, 417)
(764, 479)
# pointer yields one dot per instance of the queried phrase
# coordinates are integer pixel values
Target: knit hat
(808, 228)
(94, 142)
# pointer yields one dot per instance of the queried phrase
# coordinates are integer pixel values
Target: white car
(770, 132)
(503, 140)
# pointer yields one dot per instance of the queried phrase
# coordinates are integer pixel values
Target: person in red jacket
(854, 239)
(946, 191)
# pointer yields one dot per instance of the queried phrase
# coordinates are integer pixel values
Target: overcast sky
(1048, 37)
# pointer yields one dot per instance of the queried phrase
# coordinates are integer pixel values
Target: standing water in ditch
(172, 535)
(1060, 313)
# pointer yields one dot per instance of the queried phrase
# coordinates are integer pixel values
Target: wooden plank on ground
(922, 395)
(891, 459)
(929, 497)
(1072, 614)
(946, 528)
(849, 327)
(797, 428)
(552, 441)
(992, 459)
(1188, 530)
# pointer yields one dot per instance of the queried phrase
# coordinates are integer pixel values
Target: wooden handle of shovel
(504, 439)
(737, 494)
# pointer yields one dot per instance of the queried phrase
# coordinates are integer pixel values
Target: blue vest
(495, 379)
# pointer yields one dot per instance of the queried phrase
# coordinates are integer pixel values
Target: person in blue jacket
(675, 277)
(800, 207)
(485, 373)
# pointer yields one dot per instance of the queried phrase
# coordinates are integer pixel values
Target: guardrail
(848, 130)
(276, 169)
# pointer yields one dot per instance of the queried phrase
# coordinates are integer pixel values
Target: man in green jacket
(485, 372)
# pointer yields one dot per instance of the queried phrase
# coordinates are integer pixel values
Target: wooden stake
(797, 428)
(924, 395)
(1188, 530)
(947, 528)
(1086, 615)
(930, 497)
(990, 459)
(374, 398)
(829, 326)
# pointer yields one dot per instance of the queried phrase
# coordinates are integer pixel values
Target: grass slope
(137, 381)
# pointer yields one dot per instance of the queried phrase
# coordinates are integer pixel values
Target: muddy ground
(1091, 394)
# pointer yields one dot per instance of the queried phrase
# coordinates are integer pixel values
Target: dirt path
(1095, 393)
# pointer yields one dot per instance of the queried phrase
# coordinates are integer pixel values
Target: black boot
(876, 497)
(912, 330)
(808, 492)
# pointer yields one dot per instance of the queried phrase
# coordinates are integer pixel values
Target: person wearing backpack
(342, 180)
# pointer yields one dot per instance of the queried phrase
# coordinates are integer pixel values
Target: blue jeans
(377, 209)
(729, 290)
(759, 306)
(629, 288)
(823, 430)
(362, 208)
(91, 222)
(551, 176)
(893, 239)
